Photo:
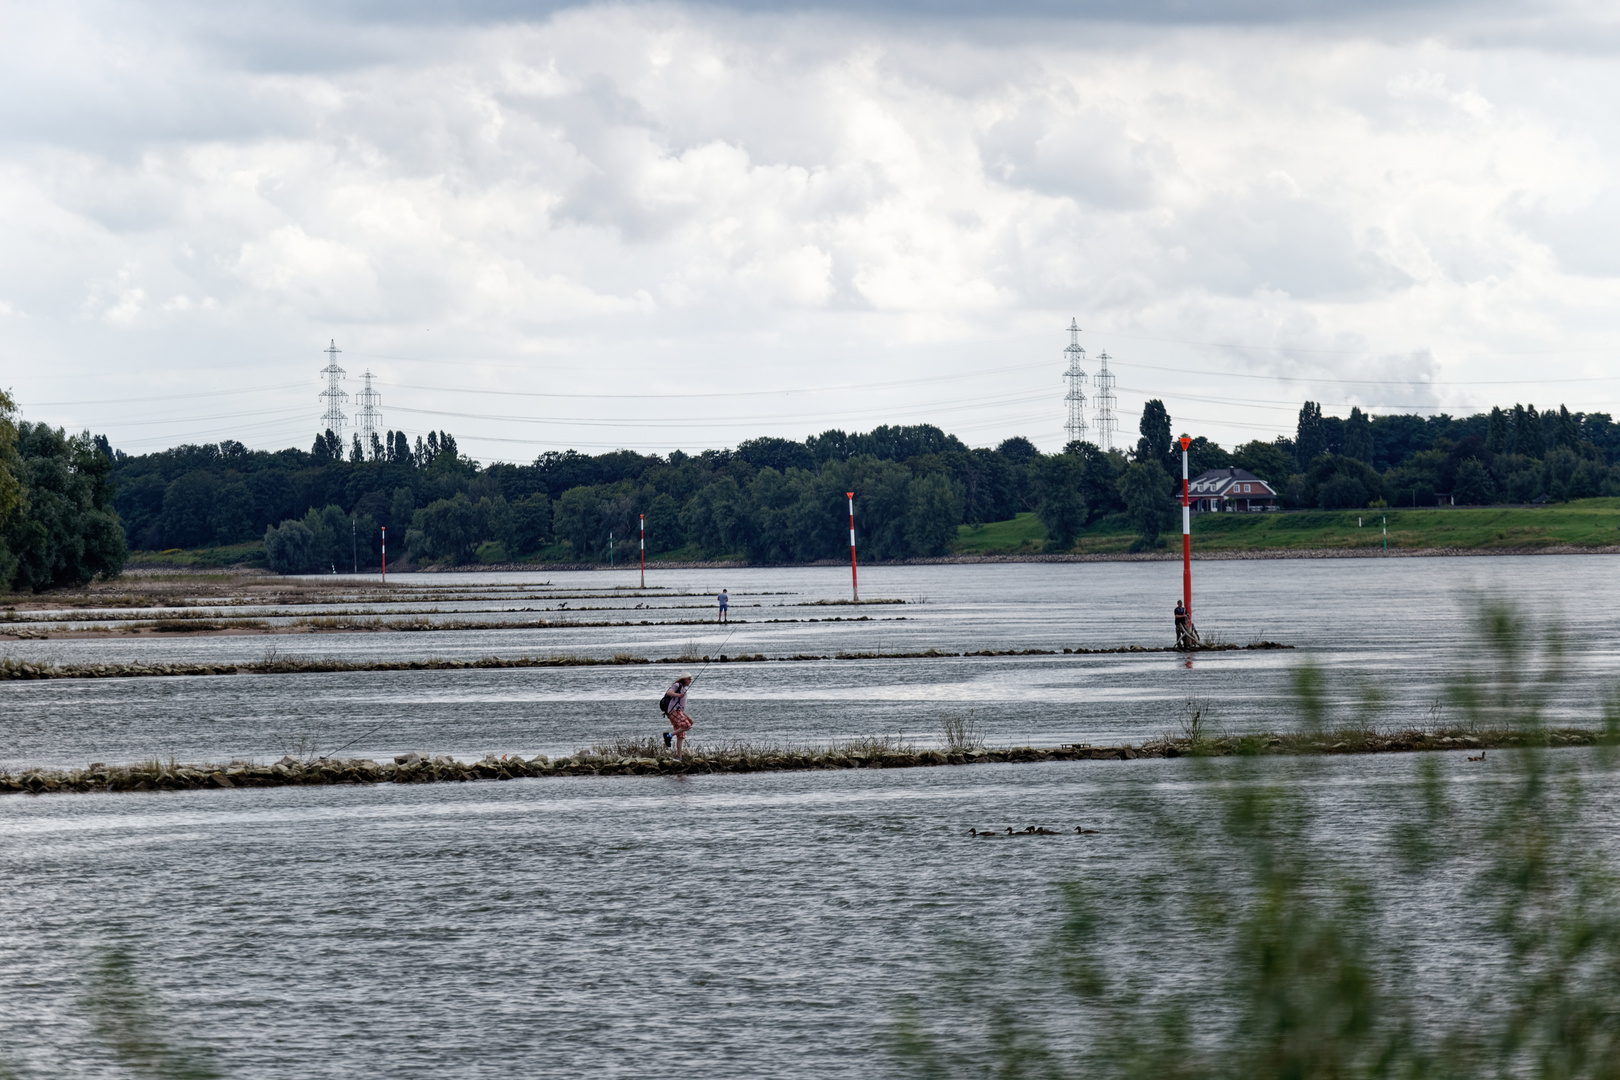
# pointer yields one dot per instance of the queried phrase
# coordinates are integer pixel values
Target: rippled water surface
(715, 926)
(1404, 625)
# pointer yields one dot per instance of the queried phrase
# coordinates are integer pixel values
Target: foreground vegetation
(1475, 934)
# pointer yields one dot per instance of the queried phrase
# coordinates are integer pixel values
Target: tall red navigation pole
(1186, 535)
(854, 580)
(643, 551)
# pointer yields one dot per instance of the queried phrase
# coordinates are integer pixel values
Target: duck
(1084, 832)
(1481, 757)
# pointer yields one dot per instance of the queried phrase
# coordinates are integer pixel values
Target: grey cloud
(602, 185)
(1583, 239)
(1081, 153)
(1269, 239)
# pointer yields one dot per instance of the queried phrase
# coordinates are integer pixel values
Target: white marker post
(643, 551)
(385, 554)
(854, 579)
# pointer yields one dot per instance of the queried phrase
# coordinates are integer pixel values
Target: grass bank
(209, 558)
(648, 757)
(1583, 523)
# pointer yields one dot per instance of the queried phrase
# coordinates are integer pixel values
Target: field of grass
(1582, 523)
(1022, 535)
(249, 554)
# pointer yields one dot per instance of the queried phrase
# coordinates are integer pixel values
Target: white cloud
(665, 198)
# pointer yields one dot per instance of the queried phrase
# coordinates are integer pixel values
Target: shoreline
(1259, 554)
(419, 769)
(1219, 555)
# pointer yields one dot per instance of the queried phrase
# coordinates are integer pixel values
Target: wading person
(675, 709)
(724, 601)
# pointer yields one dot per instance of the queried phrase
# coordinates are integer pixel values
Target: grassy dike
(1583, 523)
(648, 758)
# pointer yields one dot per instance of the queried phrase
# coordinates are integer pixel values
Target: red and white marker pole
(1186, 535)
(385, 554)
(854, 578)
(643, 551)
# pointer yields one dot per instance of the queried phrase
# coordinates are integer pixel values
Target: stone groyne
(421, 769)
(11, 669)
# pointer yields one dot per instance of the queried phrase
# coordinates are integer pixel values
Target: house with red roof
(1230, 490)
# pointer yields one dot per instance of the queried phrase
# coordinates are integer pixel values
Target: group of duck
(1033, 830)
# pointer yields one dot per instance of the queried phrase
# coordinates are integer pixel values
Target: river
(715, 926)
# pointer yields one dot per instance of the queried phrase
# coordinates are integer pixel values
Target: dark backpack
(663, 703)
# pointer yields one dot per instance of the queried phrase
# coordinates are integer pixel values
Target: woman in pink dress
(677, 711)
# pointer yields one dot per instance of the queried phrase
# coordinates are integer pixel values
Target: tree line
(67, 503)
(57, 521)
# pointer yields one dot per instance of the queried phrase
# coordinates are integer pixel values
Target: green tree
(289, 548)
(933, 512)
(1267, 460)
(1527, 432)
(401, 509)
(1474, 486)
(188, 504)
(1202, 455)
(445, 530)
(62, 529)
(1496, 431)
(1060, 482)
(1146, 491)
(1336, 482)
(1156, 443)
(1310, 441)
(1356, 439)
(531, 524)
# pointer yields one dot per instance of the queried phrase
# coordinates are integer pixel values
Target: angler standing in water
(724, 600)
(674, 705)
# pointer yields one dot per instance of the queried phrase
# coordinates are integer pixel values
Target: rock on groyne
(420, 769)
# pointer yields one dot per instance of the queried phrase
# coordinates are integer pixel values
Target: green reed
(1248, 948)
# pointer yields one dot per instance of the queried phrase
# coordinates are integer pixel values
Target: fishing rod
(352, 741)
(707, 662)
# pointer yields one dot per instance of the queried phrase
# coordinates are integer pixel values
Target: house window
(1245, 489)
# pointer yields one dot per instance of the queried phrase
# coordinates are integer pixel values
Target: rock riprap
(416, 768)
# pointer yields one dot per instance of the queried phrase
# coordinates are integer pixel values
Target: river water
(716, 926)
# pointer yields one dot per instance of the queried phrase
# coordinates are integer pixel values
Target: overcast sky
(665, 225)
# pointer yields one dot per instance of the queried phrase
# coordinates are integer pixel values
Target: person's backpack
(663, 703)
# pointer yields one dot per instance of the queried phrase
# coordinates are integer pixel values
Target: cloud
(661, 198)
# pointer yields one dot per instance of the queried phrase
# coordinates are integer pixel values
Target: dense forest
(779, 500)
